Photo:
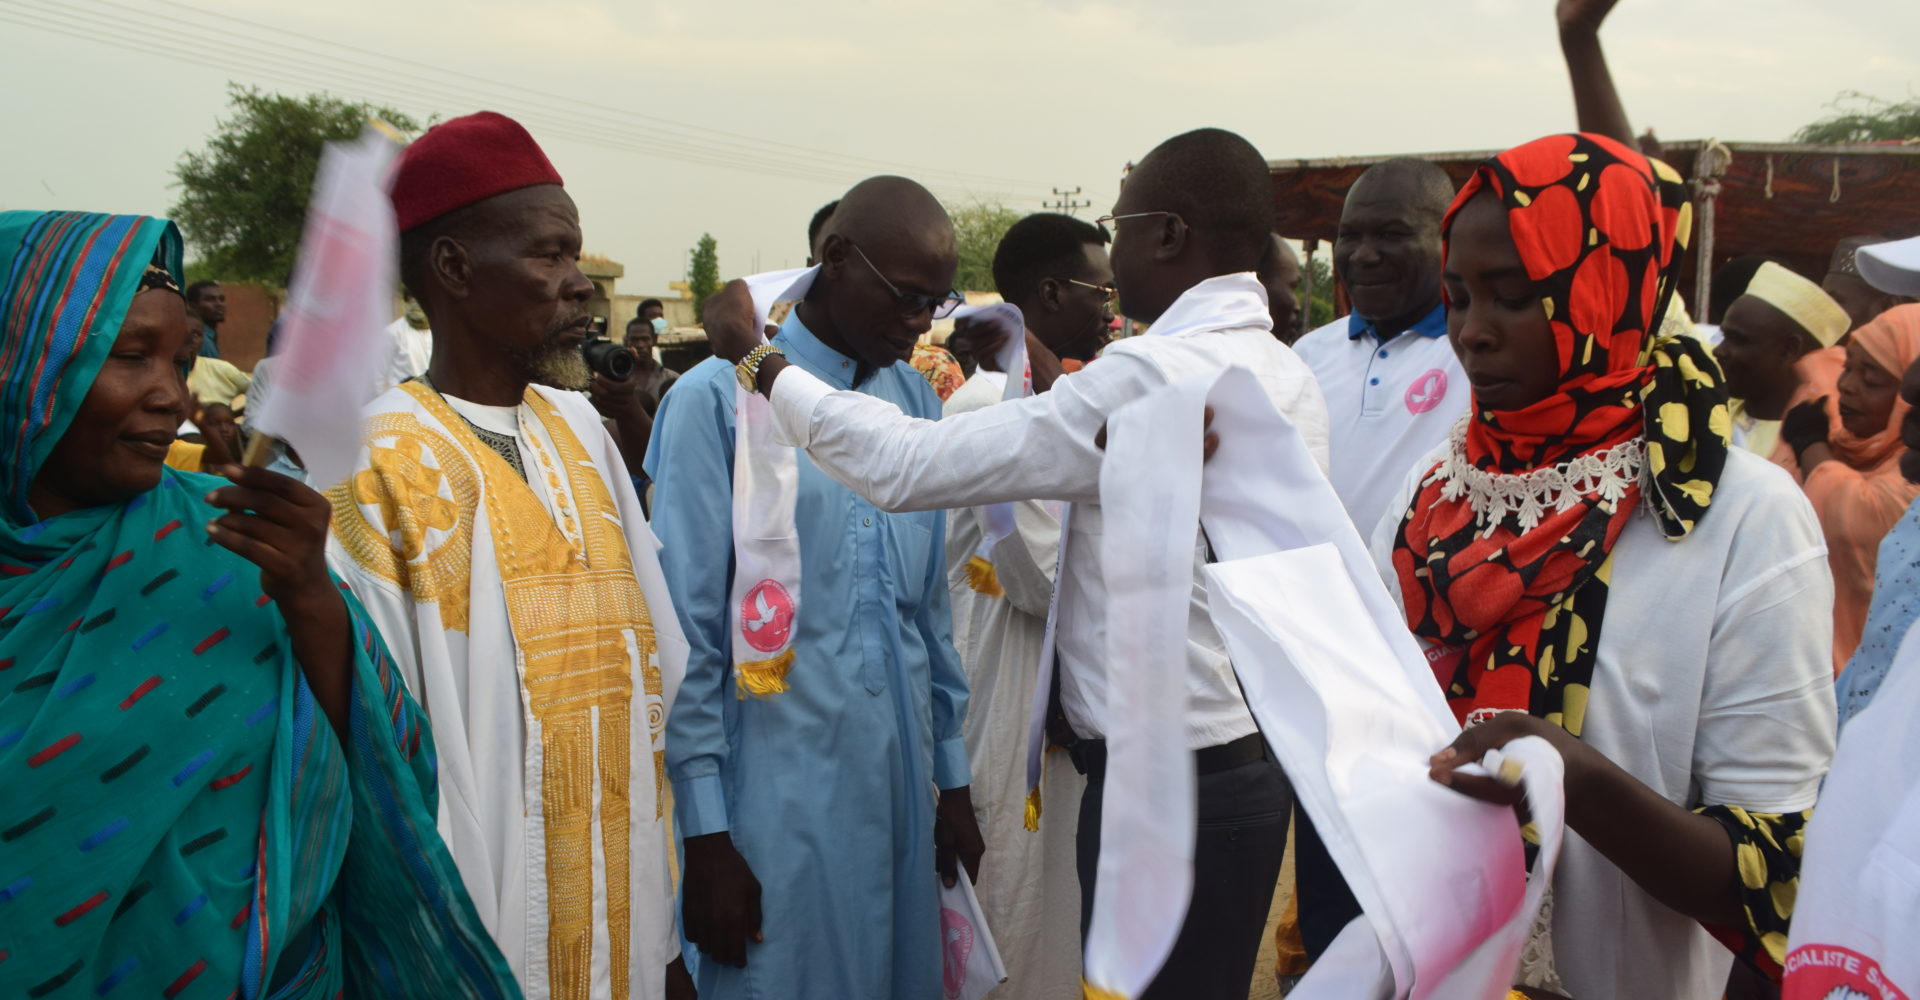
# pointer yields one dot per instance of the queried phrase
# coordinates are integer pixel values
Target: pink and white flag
(340, 301)
(970, 965)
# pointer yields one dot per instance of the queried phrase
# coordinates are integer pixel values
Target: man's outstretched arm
(1041, 447)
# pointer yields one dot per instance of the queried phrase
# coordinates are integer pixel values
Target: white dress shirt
(1713, 686)
(1388, 403)
(1043, 448)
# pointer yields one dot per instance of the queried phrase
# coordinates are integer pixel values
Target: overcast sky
(741, 117)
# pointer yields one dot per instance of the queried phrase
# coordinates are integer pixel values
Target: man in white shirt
(1054, 268)
(1190, 227)
(412, 347)
(1392, 384)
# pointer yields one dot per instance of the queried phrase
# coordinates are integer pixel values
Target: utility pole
(1065, 201)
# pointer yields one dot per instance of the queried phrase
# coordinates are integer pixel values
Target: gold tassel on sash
(1092, 992)
(1032, 819)
(982, 578)
(763, 678)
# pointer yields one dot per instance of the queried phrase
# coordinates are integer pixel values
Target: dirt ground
(1265, 985)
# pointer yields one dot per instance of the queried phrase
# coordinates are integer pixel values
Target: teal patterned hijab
(70, 278)
(177, 818)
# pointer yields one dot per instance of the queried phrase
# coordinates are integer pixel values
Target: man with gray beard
(492, 535)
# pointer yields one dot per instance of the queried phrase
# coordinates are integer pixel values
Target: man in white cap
(1893, 268)
(1777, 351)
(1862, 298)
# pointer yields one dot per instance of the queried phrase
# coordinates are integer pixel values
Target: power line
(570, 102)
(437, 87)
(88, 27)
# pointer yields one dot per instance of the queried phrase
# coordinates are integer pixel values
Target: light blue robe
(1895, 607)
(827, 788)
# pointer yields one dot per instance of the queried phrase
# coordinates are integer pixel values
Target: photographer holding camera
(628, 383)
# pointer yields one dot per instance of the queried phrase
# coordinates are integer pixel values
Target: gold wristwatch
(748, 370)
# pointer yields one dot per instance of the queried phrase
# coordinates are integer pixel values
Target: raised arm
(1036, 448)
(1596, 101)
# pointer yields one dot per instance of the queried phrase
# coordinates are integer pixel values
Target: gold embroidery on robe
(571, 607)
(408, 517)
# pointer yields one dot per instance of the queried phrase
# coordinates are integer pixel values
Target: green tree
(243, 198)
(977, 229)
(703, 274)
(1859, 117)
(1320, 307)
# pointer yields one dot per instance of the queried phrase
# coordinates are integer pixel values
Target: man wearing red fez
(492, 532)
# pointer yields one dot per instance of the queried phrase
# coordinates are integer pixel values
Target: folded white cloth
(1341, 691)
(1859, 899)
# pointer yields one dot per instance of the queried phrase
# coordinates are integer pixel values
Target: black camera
(604, 356)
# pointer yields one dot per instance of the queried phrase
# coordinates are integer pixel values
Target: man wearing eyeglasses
(1189, 229)
(807, 820)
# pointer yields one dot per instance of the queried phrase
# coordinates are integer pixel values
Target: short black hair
(1424, 186)
(1277, 251)
(644, 303)
(820, 222)
(1041, 246)
(194, 290)
(1220, 185)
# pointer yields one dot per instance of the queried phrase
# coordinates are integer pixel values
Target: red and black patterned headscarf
(1601, 230)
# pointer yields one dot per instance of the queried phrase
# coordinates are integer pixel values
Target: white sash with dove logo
(765, 599)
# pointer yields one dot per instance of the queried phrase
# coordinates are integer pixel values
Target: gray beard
(562, 368)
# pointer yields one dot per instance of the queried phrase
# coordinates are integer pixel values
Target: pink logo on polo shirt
(1426, 392)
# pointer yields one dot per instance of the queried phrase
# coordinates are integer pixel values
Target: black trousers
(1236, 861)
(1326, 904)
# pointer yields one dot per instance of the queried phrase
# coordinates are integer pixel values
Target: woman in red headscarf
(1589, 562)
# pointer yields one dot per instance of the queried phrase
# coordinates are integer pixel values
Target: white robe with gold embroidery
(534, 625)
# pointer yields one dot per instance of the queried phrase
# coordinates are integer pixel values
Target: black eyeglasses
(1107, 292)
(1101, 222)
(915, 303)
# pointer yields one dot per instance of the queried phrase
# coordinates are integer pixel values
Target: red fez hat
(465, 160)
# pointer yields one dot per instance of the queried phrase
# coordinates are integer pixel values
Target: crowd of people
(713, 682)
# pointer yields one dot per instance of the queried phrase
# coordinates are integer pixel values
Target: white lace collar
(1530, 496)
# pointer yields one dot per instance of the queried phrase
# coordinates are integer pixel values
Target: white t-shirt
(410, 351)
(1714, 686)
(1388, 404)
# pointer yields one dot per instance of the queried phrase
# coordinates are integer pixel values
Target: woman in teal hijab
(212, 783)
